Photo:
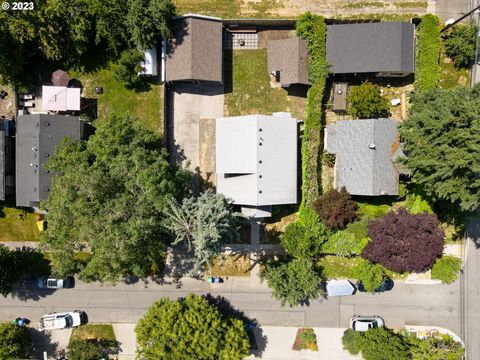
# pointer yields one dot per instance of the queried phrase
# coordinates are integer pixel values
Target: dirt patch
(207, 153)
(7, 105)
(230, 265)
(265, 35)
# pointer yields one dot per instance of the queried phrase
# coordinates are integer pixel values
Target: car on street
(48, 282)
(63, 320)
(365, 323)
(386, 285)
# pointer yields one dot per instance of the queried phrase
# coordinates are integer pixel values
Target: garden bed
(305, 340)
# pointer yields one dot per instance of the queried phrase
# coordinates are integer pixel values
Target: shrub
(381, 343)
(446, 269)
(328, 159)
(128, 68)
(343, 243)
(371, 275)
(460, 45)
(427, 69)
(351, 341)
(359, 229)
(365, 102)
(305, 339)
(15, 342)
(304, 238)
(435, 347)
(88, 349)
(404, 242)
(294, 282)
(418, 203)
(312, 28)
(336, 208)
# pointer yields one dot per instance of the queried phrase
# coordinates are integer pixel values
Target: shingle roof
(256, 159)
(289, 57)
(196, 52)
(371, 47)
(37, 138)
(364, 152)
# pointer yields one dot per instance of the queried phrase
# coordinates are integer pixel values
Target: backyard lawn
(250, 84)
(450, 76)
(17, 224)
(146, 106)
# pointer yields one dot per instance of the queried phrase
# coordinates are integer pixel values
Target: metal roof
(37, 138)
(365, 150)
(289, 57)
(371, 47)
(340, 288)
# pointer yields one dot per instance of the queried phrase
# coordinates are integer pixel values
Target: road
(472, 289)
(437, 305)
(452, 9)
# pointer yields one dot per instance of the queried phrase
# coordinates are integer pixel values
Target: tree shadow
(226, 309)
(42, 342)
(142, 85)
(179, 264)
(26, 289)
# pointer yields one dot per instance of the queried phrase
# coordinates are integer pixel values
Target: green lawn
(17, 224)
(94, 331)
(146, 106)
(250, 84)
(451, 76)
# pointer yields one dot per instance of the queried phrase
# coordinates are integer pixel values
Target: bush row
(312, 28)
(427, 69)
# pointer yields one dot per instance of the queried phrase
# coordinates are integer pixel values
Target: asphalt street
(436, 305)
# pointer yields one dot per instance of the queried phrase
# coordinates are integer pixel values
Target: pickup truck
(62, 320)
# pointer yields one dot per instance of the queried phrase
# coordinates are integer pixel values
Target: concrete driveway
(190, 104)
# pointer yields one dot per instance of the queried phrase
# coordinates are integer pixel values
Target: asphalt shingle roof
(289, 56)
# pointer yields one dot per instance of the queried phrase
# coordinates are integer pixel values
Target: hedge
(312, 28)
(427, 68)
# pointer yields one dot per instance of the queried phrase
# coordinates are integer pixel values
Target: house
(60, 98)
(287, 60)
(37, 138)
(256, 161)
(383, 48)
(366, 151)
(196, 51)
(7, 158)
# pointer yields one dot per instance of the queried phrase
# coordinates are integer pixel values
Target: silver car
(365, 323)
(47, 282)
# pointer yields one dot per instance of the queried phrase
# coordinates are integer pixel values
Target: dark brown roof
(289, 57)
(196, 51)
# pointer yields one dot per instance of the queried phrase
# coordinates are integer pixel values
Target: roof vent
(371, 146)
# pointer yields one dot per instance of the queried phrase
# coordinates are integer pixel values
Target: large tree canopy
(205, 224)
(15, 342)
(405, 242)
(441, 140)
(109, 200)
(189, 328)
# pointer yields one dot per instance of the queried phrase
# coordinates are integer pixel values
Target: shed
(340, 288)
(60, 98)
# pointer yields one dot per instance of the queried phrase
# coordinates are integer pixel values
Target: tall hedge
(312, 28)
(427, 68)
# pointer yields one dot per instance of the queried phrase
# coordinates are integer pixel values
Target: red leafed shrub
(336, 208)
(405, 242)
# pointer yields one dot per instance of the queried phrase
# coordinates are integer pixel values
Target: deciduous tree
(336, 208)
(405, 242)
(371, 275)
(128, 68)
(189, 328)
(365, 102)
(15, 342)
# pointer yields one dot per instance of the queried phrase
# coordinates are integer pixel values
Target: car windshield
(52, 283)
(68, 321)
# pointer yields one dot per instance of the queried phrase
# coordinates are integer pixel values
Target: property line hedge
(312, 28)
(427, 68)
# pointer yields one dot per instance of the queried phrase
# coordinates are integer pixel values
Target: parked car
(62, 320)
(365, 323)
(386, 285)
(47, 282)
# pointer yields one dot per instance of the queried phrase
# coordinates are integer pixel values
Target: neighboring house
(366, 151)
(383, 48)
(287, 60)
(196, 51)
(60, 98)
(256, 161)
(37, 138)
(7, 158)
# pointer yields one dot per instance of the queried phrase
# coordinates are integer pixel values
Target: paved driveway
(189, 105)
(452, 9)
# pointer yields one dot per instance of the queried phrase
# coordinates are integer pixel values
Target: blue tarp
(340, 288)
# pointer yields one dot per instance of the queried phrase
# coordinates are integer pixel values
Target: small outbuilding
(60, 98)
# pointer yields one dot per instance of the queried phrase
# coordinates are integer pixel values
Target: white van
(65, 320)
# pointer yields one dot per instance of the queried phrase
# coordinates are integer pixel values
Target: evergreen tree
(365, 102)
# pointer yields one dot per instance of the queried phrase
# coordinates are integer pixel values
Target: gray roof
(365, 152)
(196, 52)
(256, 159)
(289, 57)
(37, 138)
(371, 47)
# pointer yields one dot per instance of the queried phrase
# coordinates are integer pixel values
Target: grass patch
(305, 340)
(411, 4)
(362, 4)
(381, 17)
(229, 9)
(94, 332)
(450, 76)
(230, 265)
(17, 224)
(251, 93)
(146, 106)
(358, 228)
(373, 207)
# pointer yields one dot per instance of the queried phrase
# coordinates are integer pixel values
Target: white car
(47, 282)
(365, 323)
(65, 320)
